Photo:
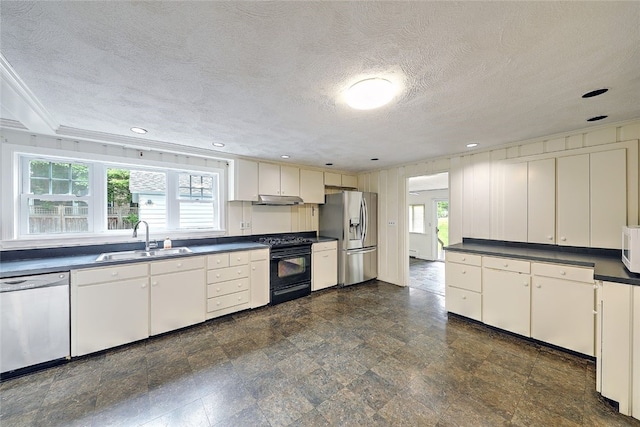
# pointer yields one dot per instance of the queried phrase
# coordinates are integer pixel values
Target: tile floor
(373, 354)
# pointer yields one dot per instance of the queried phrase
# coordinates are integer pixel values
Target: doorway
(441, 221)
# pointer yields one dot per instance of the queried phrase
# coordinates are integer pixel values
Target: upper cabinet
(541, 201)
(573, 200)
(243, 181)
(332, 179)
(275, 180)
(312, 186)
(608, 197)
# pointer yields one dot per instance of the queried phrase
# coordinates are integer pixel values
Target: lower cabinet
(562, 311)
(228, 283)
(615, 354)
(324, 270)
(463, 279)
(506, 294)
(177, 294)
(259, 276)
(109, 307)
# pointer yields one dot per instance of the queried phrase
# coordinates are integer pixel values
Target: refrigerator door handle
(361, 251)
(365, 220)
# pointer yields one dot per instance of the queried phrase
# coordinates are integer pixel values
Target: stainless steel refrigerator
(352, 218)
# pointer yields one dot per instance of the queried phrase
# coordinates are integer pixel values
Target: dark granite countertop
(54, 264)
(605, 262)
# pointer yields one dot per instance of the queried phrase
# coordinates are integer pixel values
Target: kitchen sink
(128, 255)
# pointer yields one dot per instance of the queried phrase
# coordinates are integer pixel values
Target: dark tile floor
(373, 354)
(427, 275)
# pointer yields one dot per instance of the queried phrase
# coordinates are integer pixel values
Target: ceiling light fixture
(596, 118)
(138, 130)
(595, 93)
(370, 93)
(218, 144)
(284, 156)
(374, 159)
(328, 164)
(472, 144)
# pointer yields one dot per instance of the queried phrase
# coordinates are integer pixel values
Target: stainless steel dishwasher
(34, 322)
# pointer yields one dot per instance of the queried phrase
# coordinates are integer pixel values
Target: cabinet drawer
(325, 246)
(463, 276)
(224, 288)
(109, 274)
(577, 274)
(229, 273)
(238, 258)
(225, 301)
(259, 254)
(463, 302)
(178, 264)
(506, 264)
(218, 260)
(464, 258)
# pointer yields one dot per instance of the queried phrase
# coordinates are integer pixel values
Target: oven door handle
(290, 255)
(291, 289)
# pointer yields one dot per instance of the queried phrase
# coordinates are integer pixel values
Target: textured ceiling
(267, 78)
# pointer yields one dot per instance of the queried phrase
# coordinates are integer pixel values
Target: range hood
(264, 199)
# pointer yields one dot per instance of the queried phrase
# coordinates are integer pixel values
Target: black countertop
(53, 260)
(606, 263)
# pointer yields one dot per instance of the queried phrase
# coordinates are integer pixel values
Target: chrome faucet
(135, 234)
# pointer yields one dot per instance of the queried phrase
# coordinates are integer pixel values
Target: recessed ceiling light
(284, 156)
(375, 158)
(328, 164)
(595, 93)
(472, 144)
(596, 118)
(218, 144)
(370, 93)
(141, 131)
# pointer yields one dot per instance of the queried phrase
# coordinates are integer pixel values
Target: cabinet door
(332, 179)
(635, 410)
(325, 269)
(177, 300)
(541, 201)
(312, 186)
(259, 294)
(514, 203)
(268, 179)
(289, 181)
(110, 314)
(463, 302)
(350, 181)
(573, 201)
(615, 348)
(506, 300)
(243, 182)
(608, 197)
(562, 313)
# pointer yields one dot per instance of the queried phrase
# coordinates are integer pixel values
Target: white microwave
(631, 248)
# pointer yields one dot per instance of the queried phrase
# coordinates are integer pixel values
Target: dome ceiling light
(370, 93)
(138, 130)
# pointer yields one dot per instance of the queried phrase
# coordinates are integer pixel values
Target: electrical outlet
(391, 222)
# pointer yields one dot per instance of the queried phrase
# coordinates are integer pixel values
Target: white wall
(421, 245)
(471, 174)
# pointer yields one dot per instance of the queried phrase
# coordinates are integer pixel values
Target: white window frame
(173, 189)
(412, 216)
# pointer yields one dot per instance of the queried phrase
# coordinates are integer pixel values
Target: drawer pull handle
(155, 283)
(563, 273)
(550, 237)
(179, 265)
(218, 261)
(595, 312)
(464, 258)
(239, 271)
(239, 285)
(218, 303)
(115, 273)
(218, 290)
(464, 272)
(538, 286)
(144, 285)
(217, 276)
(506, 265)
(325, 256)
(595, 286)
(526, 284)
(564, 239)
(253, 268)
(464, 297)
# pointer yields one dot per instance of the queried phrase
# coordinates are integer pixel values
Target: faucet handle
(153, 244)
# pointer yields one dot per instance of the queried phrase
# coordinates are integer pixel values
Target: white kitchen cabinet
(608, 191)
(243, 181)
(324, 272)
(228, 283)
(615, 317)
(573, 201)
(635, 360)
(177, 294)
(275, 180)
(562, 306)
(259, 277)
(513, 215)
(463, 291)
(476, 195)
(541, 201)
(506, 294)
(312, 186)
(109, 307)
(332, 179)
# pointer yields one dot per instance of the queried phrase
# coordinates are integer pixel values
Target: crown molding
(11, 124)
(21, 103)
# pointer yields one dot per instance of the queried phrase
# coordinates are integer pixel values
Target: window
(91, 197)
(56, 197)
(416, 218)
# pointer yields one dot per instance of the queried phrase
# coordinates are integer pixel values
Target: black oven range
(290, 267)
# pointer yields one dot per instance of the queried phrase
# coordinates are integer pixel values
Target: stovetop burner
(285, 241)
